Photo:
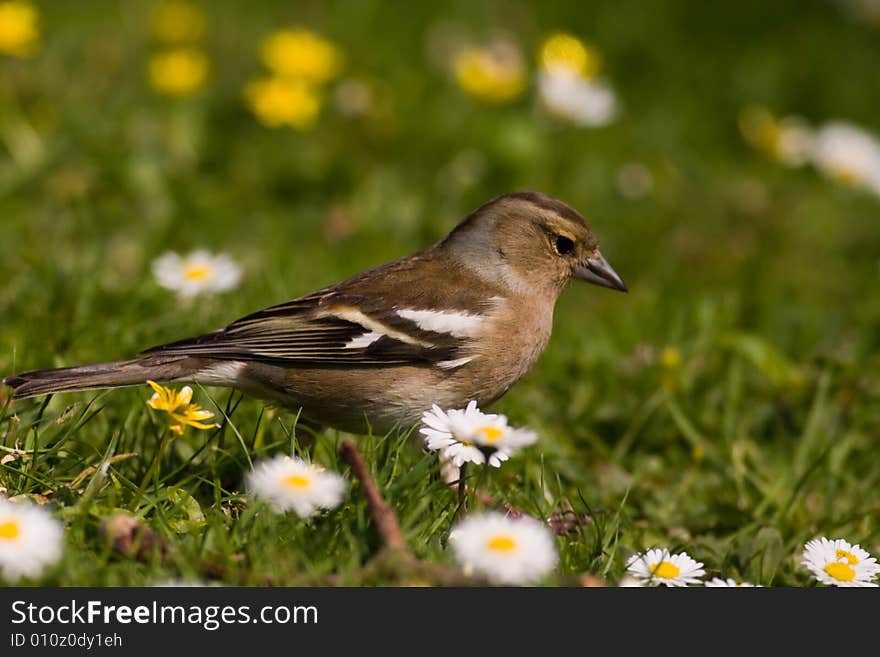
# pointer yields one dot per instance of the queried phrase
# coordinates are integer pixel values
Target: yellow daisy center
(850, 557)
(840, 571)
(665, 570)
(502, 543)
(565, 51)
(297, 481)
(846, 175)
(9, 530)
(197, 272)
(491, 433)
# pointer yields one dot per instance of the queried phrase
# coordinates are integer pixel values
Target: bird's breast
(513, 341)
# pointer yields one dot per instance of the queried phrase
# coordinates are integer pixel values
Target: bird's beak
(598, 272)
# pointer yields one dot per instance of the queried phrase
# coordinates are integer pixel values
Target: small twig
(395, 562)
(384, 516)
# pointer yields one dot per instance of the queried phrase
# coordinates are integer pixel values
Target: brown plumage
(462, 320)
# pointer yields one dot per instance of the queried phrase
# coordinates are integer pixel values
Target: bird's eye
(564, 245)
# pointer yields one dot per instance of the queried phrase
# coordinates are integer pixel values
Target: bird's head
(527, 239)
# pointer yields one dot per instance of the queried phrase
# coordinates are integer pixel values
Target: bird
(462, 320)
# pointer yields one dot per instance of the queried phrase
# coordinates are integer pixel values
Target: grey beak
(598, 272)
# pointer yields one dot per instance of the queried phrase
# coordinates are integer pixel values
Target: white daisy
(30, 539)
(848, 154)
(837, 563)
(293, 484)
(196, 273)
(469, 435)
(576, 99)
(657, 567)
(502, 549)
(718, 582)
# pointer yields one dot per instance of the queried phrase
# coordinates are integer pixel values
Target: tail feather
(101, 375)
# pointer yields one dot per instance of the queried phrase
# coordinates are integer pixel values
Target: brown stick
(384, 516)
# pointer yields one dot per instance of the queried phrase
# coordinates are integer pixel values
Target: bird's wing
(327, 329)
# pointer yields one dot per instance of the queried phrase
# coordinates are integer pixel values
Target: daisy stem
(480, 485)
(462, 491)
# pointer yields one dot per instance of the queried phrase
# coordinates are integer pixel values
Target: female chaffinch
(462, 320)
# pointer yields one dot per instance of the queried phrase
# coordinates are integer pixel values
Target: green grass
(763, 278)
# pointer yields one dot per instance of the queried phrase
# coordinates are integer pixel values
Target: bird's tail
(101, 375)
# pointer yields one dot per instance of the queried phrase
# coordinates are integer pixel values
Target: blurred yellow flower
(180, 410)
(567, 84)
(178, 72)
(301, 54)
(565, 53)
(670, 358)
(494, 74)
(278, 102)
(19, 29)
(177, 22)
(670, 361)
(789, 140)
(759, 127)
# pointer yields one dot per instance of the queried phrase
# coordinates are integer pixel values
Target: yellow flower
(494, 74)
(670, 358)
(760, 128)
(19, 30)
(670, 362)
(565, 53)
(789, 140)
(179, 407)
(278, 102)
(178, 72)
(177, 22)
(301, 54)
